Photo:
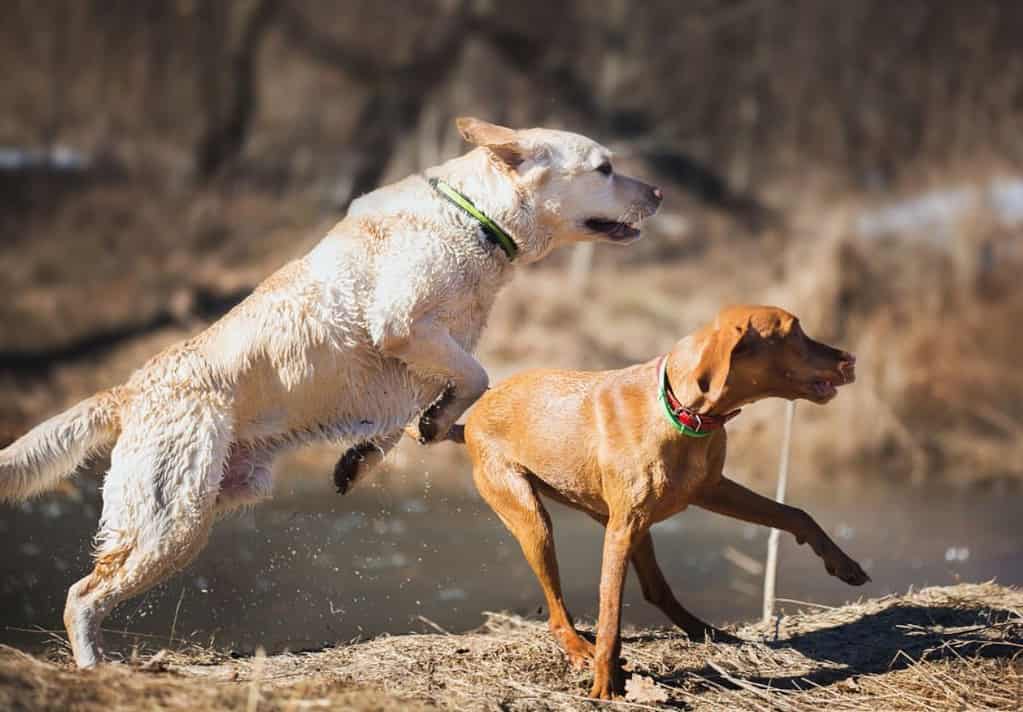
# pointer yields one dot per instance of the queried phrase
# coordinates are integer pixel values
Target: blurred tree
(226, 76)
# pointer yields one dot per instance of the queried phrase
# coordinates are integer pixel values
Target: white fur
(349, 343)
(57, 447)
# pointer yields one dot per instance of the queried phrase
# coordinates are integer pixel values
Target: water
(315, 569)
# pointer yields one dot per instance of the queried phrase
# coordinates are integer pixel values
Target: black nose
(658, 195)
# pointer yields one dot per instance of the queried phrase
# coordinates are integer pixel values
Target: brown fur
(602, 443)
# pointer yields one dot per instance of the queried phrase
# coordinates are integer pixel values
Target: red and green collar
(686, 420)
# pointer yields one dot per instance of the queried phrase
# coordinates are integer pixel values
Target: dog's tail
(56, 448)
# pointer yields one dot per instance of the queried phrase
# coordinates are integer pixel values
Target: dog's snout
(658, 195)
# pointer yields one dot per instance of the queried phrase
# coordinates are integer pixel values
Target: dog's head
(755, 352)
(571, 182)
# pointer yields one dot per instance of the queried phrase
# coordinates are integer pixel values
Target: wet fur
(350, 344)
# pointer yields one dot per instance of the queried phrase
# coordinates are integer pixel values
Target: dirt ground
(954, 647)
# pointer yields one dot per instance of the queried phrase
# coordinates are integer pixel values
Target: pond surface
(316, 568)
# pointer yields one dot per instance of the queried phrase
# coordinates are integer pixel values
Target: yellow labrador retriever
(370, 332)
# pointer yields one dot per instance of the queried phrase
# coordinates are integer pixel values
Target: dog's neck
(681, 368)
(493, 189)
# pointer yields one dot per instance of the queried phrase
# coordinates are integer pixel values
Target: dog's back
(507, 415)
(563, 427)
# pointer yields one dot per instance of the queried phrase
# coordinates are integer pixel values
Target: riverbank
(949, 647)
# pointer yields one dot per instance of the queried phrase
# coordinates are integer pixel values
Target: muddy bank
(952, 647)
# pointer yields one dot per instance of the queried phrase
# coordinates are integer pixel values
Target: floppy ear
(715, 360)
(502, 141)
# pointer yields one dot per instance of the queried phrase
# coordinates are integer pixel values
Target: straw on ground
(958, 647)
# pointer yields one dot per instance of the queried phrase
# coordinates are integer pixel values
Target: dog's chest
(677, 479)
(468, 318)
(465, 312)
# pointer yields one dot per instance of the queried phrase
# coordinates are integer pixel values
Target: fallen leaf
(157, 663)
(640, 688)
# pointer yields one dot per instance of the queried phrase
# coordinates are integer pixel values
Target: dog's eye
(605, 168)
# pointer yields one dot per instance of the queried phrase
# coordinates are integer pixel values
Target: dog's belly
(345, 398)
(572, 488)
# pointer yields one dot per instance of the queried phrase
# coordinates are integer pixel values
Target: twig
(177, 609)
(536, 689)
(433, 625)
(772, 541)
(257, 676)
(806, 603)
(60, 633)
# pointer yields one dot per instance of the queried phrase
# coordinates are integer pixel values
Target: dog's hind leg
(248, 477)
(359, 459)
(159, 501)
(657, 592)
(512, 496)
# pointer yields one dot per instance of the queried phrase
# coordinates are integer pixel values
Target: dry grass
(939, 648)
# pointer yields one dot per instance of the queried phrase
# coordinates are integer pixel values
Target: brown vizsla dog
(635, 446)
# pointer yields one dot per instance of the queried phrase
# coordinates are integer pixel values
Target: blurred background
(858, 163)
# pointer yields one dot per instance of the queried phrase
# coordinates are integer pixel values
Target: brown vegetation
(938, 648)
(294, 107)
(223, 138)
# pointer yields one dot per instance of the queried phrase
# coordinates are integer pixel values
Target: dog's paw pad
(858, 577)
(427, 434)
(346, 471)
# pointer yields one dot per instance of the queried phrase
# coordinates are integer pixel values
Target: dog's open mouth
(822, 390)
(613, 229)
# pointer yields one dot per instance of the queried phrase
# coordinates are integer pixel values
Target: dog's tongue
(614, 230)
(622, 230)
(823, 388)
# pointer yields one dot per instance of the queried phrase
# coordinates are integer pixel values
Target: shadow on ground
(889, 640)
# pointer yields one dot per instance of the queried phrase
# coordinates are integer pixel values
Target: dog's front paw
(436, 421)
(841, 566)
(606, 683)
(602, 690)
(577, 649)
(346, 471)
(429, 429)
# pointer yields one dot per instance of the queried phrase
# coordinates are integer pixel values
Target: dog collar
(686, 420)
(494, 232)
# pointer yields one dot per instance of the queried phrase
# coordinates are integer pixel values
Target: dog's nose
(847, 366)
(658, 195)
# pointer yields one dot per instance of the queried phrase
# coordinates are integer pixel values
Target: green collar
(494, 232)
(686, 420)
(662, 396)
